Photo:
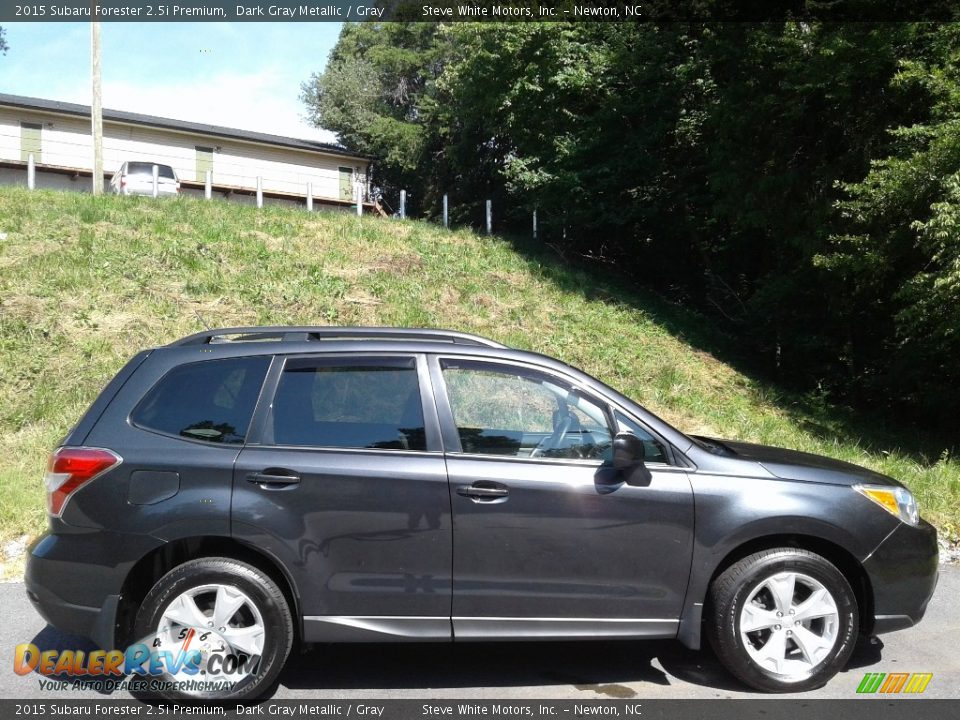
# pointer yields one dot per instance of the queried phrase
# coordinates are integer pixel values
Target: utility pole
(96, 108)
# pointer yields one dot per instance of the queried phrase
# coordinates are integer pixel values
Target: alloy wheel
(789, 624)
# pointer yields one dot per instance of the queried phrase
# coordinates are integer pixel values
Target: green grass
(86, 282)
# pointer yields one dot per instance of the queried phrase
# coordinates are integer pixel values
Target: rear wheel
(783, 620)
(217, 628)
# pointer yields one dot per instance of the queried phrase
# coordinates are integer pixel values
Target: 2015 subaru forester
(245, 488)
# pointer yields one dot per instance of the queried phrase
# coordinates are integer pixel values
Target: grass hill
(86, 282)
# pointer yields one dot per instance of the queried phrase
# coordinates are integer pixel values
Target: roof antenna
(203, 323)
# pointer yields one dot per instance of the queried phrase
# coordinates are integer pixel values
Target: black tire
(730, 592)
(258, 587)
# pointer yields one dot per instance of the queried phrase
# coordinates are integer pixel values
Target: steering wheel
(555, 440)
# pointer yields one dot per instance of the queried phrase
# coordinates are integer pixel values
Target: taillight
(70, 468)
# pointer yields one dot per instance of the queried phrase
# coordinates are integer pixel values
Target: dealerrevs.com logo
(200, 662)
(894, 683)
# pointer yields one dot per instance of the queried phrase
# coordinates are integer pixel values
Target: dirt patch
(513, 279)
(360, 296)
(393, 263)
(272, 242)
(30, 310)
(21, 254)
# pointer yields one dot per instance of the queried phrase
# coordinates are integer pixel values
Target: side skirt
(506, 628)
(376, 628)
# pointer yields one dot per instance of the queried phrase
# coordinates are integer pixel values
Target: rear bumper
(95, 623)
(903, 573)
(74, 587)
(148, 192)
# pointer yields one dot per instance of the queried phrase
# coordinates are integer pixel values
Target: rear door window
(364, 402)
(210, 401)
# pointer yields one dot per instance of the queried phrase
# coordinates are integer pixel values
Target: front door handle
(487, 492)
(274, 478)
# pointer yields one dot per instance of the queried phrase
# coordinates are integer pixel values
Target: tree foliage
(898, 249)
(800, 181)
(371, 94)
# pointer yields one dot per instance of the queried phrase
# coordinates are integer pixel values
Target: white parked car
(136, 178)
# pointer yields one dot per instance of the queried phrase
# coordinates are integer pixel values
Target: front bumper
(903, 573)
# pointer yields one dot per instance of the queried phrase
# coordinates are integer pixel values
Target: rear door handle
(488, 492)
(274, 478)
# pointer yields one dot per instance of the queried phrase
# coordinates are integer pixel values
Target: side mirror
(627, 450)
(628, 454)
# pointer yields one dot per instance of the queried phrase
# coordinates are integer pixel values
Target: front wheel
(783, 620)
(213, 629)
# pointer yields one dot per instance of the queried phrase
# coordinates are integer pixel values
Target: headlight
(897, 501)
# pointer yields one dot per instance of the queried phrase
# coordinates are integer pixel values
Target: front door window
(511, 411)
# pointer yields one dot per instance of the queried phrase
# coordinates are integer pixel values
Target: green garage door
(346, 183)
(204, 162)
(30, 141)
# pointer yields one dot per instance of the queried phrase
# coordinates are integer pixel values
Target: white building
(59, 137)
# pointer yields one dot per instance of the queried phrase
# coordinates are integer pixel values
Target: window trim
(257, 435)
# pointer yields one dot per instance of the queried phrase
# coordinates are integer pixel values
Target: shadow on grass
(810, 412)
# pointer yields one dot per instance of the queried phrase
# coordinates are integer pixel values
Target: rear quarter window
(211, 401)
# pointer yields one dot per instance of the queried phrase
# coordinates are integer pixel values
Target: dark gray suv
(244, 489)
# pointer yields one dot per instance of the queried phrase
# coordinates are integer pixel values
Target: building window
(204, 162)
(30, 141)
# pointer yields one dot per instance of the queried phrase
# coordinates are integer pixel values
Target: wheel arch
(156, 563)
(844, 560)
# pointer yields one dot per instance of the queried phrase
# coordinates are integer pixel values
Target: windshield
(146, 168)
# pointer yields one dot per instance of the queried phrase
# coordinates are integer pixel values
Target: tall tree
(371, 94)
(798, 181)
(898, 258)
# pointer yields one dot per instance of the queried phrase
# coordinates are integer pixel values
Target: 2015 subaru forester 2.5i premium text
(245, 488)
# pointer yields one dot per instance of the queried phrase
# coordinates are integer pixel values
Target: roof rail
(302, 333)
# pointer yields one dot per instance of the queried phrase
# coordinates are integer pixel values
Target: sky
(239, 75)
